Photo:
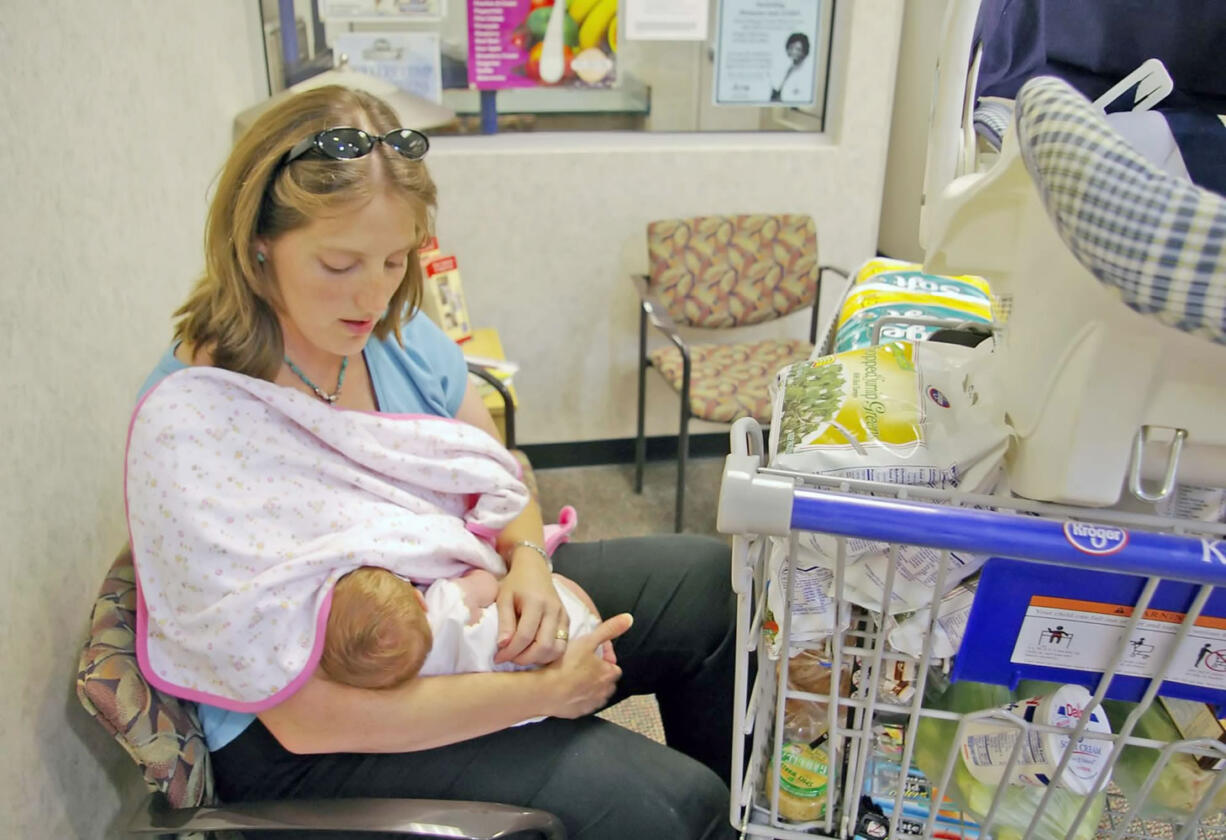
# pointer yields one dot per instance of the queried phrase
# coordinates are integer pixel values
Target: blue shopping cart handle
(1109, 548)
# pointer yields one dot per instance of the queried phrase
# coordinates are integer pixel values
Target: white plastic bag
(902, 413)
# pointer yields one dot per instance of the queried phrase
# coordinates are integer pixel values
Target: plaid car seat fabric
(731, 271)
(991, 120)
(1159, 240)
(161, 734)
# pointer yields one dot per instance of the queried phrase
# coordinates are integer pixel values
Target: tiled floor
(608, 507)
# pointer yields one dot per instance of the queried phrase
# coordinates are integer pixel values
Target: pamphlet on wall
(409, 60)
(443, 298)
(767, 53)
(418, 10)
(507, 42)
(665, 20)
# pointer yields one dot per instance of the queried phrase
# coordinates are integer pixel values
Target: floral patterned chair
(716, 273)
(163, 737)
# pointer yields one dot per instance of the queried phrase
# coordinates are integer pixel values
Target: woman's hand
(583, 681)
(530, 613)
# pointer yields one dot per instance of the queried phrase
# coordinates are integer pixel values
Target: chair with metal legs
(719, 273)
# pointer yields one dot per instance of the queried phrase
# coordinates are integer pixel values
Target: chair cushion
(727, 271)
(728, 381)
(1159, 240)
(162, 734)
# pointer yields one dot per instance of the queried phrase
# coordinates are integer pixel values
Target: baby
(382, 631)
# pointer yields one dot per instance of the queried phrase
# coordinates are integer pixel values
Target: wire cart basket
(1155, 587)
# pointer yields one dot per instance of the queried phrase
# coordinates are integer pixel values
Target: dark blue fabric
(1092, 44)
(1201, 138)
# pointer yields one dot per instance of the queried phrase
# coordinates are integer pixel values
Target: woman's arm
(326, 717)
(530, 613)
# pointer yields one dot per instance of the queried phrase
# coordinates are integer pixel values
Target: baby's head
(377, 635)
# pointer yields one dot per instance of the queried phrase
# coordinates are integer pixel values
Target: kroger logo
(1095, 539)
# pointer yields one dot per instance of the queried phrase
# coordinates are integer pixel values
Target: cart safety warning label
(1084, 636)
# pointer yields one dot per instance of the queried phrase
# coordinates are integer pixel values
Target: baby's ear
(421, 599)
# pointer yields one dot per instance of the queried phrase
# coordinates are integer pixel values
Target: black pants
(603, 781)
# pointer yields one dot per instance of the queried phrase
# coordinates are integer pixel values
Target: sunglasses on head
(346, 143)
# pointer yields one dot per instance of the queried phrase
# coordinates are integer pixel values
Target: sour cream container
(987, 744)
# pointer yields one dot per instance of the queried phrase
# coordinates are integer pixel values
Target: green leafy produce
(1182, 783)
(1021, 802)
(811, 397)
(538, 21)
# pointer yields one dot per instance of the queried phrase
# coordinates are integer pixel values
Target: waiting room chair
(508, 403)
(163, 737)
(717, 273)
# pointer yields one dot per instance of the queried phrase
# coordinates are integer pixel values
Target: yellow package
(895, 289)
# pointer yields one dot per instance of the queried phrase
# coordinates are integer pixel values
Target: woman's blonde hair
(377, 633)
(231, 311)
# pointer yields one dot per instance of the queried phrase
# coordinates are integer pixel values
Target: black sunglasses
(347, 143)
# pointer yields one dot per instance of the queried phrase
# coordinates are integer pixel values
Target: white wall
(538, 222)
(116, 118)
(904, 172)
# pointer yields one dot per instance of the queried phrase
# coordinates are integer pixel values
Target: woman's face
(796, 52)
(337, 274)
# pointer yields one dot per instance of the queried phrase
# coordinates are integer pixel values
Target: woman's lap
(603, 781)
(682, 644)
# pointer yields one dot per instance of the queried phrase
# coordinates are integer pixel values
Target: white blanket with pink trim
(247, 501)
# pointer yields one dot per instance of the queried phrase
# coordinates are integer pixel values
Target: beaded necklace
(319, 392)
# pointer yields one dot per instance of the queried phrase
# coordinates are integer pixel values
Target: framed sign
(409, 60)
(349, 10)
(766, 53)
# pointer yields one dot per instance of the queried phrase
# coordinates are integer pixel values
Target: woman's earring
(260, 258)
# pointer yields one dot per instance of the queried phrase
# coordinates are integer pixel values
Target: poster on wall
(418, 10)
(665, 20)
(766, 53)
(409, 60)
(508, 39)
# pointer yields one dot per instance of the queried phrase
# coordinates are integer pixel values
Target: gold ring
(561, 635)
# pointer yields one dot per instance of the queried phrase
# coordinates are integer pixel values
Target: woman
(312, 281)
(796, 82)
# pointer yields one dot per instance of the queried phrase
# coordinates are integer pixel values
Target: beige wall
(117, 118)
(538, 223)
(904, 172)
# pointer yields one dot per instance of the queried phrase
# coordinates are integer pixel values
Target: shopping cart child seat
(1112, 280)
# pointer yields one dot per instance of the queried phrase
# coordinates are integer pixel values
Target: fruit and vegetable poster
(766, 53)
(508, 40)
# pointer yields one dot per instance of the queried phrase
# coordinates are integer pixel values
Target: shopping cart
(1157, 554)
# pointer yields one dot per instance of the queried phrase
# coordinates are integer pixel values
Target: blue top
(427, 375)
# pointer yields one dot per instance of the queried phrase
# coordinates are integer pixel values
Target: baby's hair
(377, 634)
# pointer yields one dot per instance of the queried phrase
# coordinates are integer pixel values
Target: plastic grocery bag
(1181, 784)
(923, 414)
(1020, 805)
